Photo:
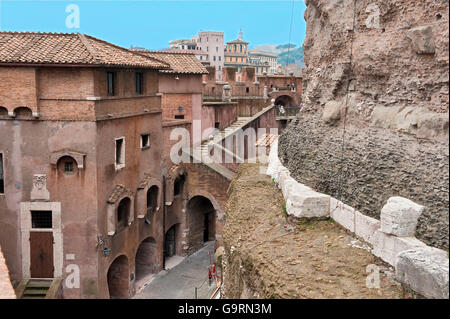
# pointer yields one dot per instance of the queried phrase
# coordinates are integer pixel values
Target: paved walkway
(180, 281)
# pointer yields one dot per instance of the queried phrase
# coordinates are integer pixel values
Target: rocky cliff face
(375, 119)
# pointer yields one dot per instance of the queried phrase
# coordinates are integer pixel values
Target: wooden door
(41, 254)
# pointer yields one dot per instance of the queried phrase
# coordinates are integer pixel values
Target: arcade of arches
(196, 221)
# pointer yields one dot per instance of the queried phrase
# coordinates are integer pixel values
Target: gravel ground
(268, 255)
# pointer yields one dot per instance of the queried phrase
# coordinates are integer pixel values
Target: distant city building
(208, 47)
(212, 43)
(290, 69)
(183, 44)
(236, 54)
(263, 61)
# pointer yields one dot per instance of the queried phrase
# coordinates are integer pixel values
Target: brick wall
(203, 181)
(18, 88)
(171, 102)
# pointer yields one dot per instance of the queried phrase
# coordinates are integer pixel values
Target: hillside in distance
(287, 53)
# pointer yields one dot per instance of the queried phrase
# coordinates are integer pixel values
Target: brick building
(84, 151)
(181, 86)
(81, 141)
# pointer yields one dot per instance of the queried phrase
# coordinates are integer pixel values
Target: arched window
(3, 112)
(178, 185)
(152, 199)
(67, 165)
(123, 213)
(23, 113)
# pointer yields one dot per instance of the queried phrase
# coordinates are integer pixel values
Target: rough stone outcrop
(382, 68)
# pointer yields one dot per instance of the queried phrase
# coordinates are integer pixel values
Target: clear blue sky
(152, 23)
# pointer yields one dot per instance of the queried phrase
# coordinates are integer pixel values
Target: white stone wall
(423, 268)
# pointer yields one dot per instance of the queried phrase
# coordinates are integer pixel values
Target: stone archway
(119, 278)
(146, 258)
(285, 101)
(123, 213)
(171, 241)
(3, 112)
(23, 112)
(201, 221)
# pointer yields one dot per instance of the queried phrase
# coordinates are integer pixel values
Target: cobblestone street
(180, 282)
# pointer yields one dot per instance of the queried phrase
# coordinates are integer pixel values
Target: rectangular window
(145, 141)
(214, 58)
(120, 153)
(41, 219)
(2, 176)
(111, 79)
(220, 58)
(139, 82)
(179, 117)
(217, 49)
(68, 167)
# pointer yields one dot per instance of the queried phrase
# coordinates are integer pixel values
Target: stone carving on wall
(39, 191)
(226, 95)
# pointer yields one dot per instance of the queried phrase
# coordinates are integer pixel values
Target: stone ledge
(301, 201)
(425, 270)
(387, 246)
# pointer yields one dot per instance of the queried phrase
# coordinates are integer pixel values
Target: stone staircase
(39, 289)
(200, 152)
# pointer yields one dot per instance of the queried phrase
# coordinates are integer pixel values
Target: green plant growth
(284, 210)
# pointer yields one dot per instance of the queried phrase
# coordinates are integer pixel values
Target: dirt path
(269, 257)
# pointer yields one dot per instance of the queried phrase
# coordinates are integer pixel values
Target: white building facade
(212, 43)
(263, 61)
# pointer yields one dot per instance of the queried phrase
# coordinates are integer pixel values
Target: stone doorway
(285, 100)
(170, 248)
(146, 258)
(202, 221)
(119, 278)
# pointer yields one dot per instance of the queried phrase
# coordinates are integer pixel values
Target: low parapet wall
(423, 268)
(6, 289)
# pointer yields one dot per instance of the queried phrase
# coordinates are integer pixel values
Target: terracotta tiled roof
(69, 49)
(180, 62)
(173, 50)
